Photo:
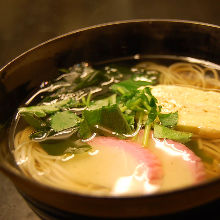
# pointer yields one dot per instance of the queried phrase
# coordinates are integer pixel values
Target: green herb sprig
(129, 107)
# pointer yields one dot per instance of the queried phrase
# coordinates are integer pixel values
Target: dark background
(26, 23)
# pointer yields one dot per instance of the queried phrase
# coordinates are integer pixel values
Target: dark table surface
(26, 23)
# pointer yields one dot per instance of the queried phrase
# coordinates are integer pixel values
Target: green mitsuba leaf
(42, 111)
(103, 102)
(128, 86)
(85, 131)
(140, 77)
(164, 132)
(34, 121)
(131, 106)
(130, 120)
(38, 111)
(108, 117)
(140, 100)
(113, 119)
(169, 120)
(64, 120)
(152, 115)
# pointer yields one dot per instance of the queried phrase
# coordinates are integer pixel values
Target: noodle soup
(123, 128)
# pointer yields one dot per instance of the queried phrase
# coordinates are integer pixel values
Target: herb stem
(123, 108)
(146, 106)
(113, 99)
(121, 90)
(140, 119)
(84, 100)
(88, 99)
(146, 134)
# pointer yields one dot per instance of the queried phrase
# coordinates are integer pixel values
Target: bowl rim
(151, 20)
(11, 171)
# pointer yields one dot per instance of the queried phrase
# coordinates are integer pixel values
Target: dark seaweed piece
(60, 147)
(49, 134)
(34, 121)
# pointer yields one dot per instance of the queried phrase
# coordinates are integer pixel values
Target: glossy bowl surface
(98, 44)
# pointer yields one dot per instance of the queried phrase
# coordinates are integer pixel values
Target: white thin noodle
(36, 163)
(185, 74)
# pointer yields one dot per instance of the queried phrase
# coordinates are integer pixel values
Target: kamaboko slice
(181, 166)
(130, 167)
(119, 166)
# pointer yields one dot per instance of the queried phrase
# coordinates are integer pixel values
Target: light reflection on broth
(117, 165)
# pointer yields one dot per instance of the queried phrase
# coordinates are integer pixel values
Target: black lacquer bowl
(101, 43)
